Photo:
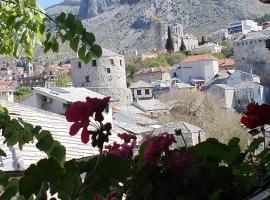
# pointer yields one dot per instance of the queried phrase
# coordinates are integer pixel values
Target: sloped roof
(17, 160)
(204, 57)
(247, 84)
(226, 62)
(253, 35)
(108, 53)
(140, 84)
(151, 105)
(225, 87)
(67, 94)
(153, 70)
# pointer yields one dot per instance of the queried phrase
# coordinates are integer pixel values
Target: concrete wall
(152, 76)
(8, 96)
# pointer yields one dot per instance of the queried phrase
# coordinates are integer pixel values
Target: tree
(203, 40)
(169, 42)
(62, 81)
(24, 28)
(183, 46)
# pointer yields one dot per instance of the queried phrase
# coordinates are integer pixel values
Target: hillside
(124, 24)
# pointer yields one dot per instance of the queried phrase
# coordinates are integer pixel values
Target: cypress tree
(203, 40)
(169, 42)
(183, 46)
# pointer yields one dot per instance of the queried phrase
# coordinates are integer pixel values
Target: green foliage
(21, 91)
(23, 27)
(62, 81)
(264, 18)
(169, 42)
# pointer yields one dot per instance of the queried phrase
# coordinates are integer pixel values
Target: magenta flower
(156, 146)
(79, 113)
(177, 159)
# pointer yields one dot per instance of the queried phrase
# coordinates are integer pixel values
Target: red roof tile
(226, 62)
(154, 70)
(204, 57)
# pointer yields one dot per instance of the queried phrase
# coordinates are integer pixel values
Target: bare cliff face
(133, 24)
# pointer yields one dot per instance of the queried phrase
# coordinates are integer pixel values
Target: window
(87, 79)
(174, 74)
(107, 109)
(147, 91)
(94, 63)
(108, 70)
(79, 65)
(112, 61)
(120, 62)
(139, 92)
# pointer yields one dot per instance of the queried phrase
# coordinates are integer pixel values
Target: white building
(153, 107)
(243, 27)
(190, 41)
(57, 99)
(221, 34)
(150, 75)
(7, 94)
(199, 68)
(141, 90)
(210, 48)
(105, 75)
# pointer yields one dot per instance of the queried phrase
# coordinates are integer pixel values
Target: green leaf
(58, 152)
(45, 141)
(61, 18)
(89, 38)
(88, 57)
(10, 190)
(81, 52)
(54, 45)
(255, 144)
(46, 170)
(41, 28)
(70, 21)
(97, 50)
(75, 43)
(3, 178)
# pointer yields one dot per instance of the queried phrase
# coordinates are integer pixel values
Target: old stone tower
(105, 75)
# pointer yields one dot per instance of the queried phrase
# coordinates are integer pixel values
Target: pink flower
(79, 113)
(124, 150)
(177, 159)
(156, 146)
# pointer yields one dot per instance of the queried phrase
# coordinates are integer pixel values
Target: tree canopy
(169, 42)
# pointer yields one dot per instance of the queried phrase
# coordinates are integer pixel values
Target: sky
(46, 3)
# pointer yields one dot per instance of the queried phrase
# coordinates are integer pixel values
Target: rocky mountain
(134, 24)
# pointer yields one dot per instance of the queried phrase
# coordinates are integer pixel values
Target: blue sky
(46, 3)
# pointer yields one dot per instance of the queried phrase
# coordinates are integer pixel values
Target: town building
(252, 53)
(148, 55)
(196, 69)
(105, 75)
(192, 134)
(150, 75)
(239, 89)
(153, 107)
(7, 94)
(58, 99)
(221, 34)
(141, 90)
(226, 64)
(243, 27)
(208, 48)
(190, 41)
(18, 161)
(37, 81)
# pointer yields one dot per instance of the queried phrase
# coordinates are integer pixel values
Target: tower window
(94, 63)
(120, 62)
(147, 91)
(108, 70)
(112, 61)
(139, 92)
(87, 79)
(79, 65)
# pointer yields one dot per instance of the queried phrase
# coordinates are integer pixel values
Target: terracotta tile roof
(226, 62)
(6, 83)
(153, 70)
(204, 57)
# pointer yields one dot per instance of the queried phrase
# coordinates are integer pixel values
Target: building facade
(141, 90)
(221, 34)
(105, 75)
(193, 69)
(150, 75)
(208, 48)
(243, 27)
(252, 53)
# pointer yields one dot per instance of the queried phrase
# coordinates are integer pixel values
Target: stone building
(243, 27)
(141, 90)
(221, 34)
(150, 75)
(208, 48)
(252, 53)
(105, 75)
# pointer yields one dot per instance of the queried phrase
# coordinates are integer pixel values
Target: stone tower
(105, 75)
